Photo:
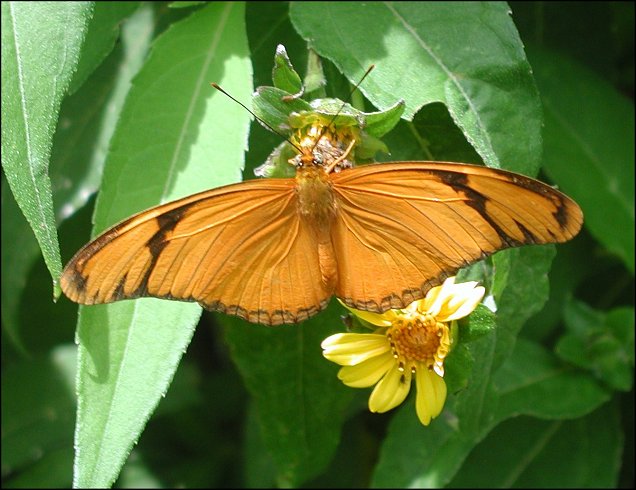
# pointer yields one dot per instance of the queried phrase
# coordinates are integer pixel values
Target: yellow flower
(408, 343)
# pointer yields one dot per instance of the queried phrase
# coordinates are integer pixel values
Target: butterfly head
(325, 146)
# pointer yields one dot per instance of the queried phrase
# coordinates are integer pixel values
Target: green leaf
(51, 469)
(458, 368)
(182, 5)
(300, 401)
(380, 123)
(524, 384)
(90, 115)
(268, 26)
(283, 75)
(416, 456)
(33, 321)
(270, 105)
(600, 342)
(171, 129)
(261, 470)
(589, 148)
(431, 136)
(480, 322)
(526, 291)
(41, 44)
(521, 453)
(37, 419)
(315, 79)
(533, 382)
(467, 56)
(18, 253)
(101, 36)
(87, 122)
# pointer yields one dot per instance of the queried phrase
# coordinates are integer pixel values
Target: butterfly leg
(341, 158)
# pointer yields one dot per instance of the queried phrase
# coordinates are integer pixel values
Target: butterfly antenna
(325, 128)
(218, 87)
(366, 73)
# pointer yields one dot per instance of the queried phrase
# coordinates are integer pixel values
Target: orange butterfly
(275, 251)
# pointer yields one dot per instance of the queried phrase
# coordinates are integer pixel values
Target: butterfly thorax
(315, 195)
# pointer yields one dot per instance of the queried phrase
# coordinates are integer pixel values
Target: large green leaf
(102, 34)
(521, 453)
(41, 44)
(533, 381)
(465, 55)
(436, 453)
(589, 148)
(601, 343)
(38, 406)
(176, 136)
(90, 116)
(301, 405)
(88, 119)
(16, 260)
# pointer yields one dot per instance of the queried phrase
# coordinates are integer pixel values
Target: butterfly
(276, 250)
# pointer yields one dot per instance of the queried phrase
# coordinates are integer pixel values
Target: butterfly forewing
(404, 227)
(240, 249)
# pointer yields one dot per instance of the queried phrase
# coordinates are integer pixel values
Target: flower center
(420, 339)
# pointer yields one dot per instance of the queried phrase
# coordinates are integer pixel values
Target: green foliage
(115, 97)
(32, 92)
(283, 74)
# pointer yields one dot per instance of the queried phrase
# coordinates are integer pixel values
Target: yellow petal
(349, 349)
(464, 300)
(437, 296)
(414, 308)
(379, 319)
(368, 372)
(391, 390)
(431, 394)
